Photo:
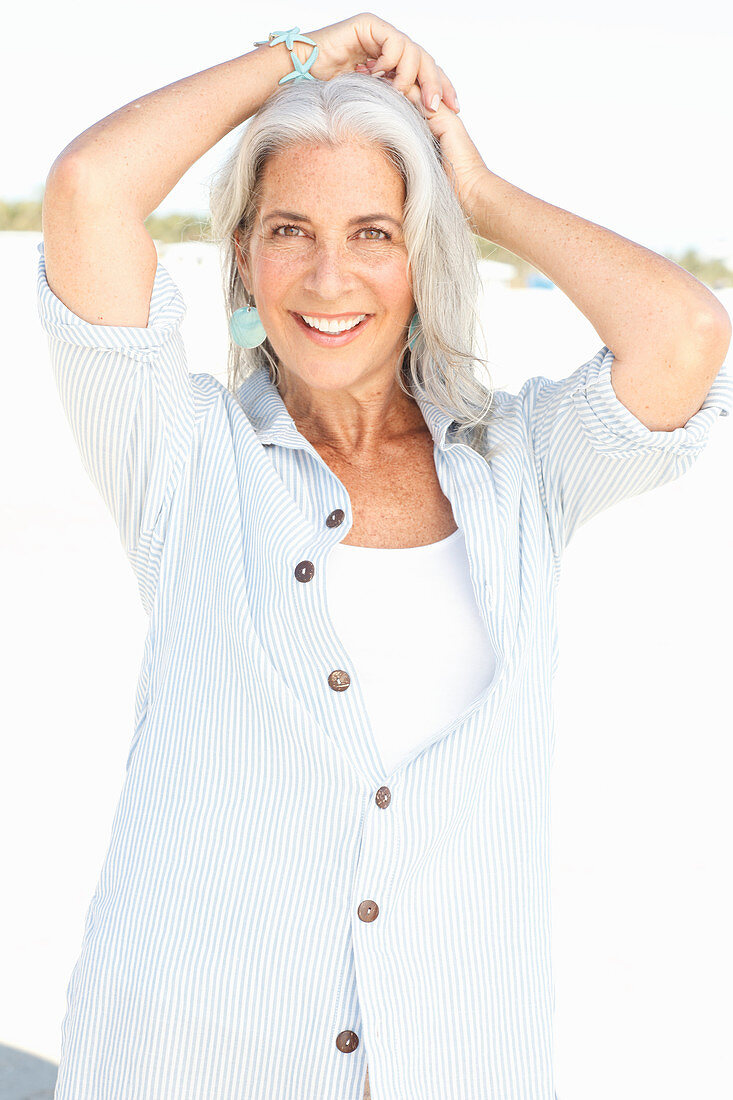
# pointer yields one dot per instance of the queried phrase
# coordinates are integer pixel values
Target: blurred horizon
(713, 247)
(713, 268)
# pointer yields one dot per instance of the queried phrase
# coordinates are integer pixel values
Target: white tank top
(411, 625)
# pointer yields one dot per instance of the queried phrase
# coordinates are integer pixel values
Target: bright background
(621, 117)
(618, 112)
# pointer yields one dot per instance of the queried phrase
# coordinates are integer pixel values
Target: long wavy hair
(442, 251)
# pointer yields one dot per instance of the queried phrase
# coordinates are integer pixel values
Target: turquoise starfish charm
(300, 72)
(288, 37)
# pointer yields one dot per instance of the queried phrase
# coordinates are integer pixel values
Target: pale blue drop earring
(412, 333)
(246, 328)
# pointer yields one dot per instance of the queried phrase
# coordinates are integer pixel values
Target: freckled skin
(328, 267)
(345, 400)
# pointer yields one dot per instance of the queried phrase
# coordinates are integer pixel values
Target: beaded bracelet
(300, 71)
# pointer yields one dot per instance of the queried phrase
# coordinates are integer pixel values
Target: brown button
(336, 517)
(304, 570)
(368, 911)
(339, 680)
(347, 1041)
(383, 797)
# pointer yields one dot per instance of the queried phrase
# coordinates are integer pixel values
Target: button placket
(340, 680)
(368, 909)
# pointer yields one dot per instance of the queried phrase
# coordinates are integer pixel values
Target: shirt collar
(266, 410)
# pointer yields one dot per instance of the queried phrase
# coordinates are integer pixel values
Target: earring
(412, 333)
(246, 328)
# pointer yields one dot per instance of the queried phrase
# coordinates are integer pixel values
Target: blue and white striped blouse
(276, 910)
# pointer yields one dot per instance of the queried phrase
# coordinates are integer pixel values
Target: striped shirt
(276, 910)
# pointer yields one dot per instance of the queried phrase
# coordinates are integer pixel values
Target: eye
(276, 232)
(368, 229)
(376, 229)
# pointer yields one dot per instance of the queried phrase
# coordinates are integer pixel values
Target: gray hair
(442, 252)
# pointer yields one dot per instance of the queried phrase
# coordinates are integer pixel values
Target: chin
(338, 375)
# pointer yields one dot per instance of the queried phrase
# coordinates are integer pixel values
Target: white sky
(623, 118)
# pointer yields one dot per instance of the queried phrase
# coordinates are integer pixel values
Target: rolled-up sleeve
(590, 451)
(128, 397)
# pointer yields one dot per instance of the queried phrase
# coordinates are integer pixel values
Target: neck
(356, 421)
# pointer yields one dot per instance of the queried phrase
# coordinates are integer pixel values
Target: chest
(397, 503)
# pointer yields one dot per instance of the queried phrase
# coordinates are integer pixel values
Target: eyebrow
(292, 216)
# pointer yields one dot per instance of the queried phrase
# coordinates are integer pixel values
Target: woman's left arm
(669, 334)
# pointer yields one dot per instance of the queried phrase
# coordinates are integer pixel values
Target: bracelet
(300, 71)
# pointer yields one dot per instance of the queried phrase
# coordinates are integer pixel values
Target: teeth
(333, 326)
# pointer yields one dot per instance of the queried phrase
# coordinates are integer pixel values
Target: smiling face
(343, 256)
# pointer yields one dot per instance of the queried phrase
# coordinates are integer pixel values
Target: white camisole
(410, 623)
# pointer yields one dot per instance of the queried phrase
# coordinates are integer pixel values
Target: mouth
(331, 339)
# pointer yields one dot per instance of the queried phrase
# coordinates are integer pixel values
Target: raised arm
(100, 259)
(112, 314)
(668, 332)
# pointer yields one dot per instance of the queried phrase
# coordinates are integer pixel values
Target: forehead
(310, 178)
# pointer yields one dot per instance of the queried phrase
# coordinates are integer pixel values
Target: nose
(330, 271)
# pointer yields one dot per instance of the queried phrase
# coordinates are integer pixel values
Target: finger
(375, 35)
(449, 93)
(430, 82)
(389, 52)
(416, 98)
(429, 77)
(408, 67)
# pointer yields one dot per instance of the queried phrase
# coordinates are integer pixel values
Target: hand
(366, 43)
(463, 163)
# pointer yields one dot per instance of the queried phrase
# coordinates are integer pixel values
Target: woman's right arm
(112, 314)
(100, 259)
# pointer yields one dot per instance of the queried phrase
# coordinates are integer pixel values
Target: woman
(331, 846)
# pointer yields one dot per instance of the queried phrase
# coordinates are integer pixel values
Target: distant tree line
(25, 214)
(714, 272)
